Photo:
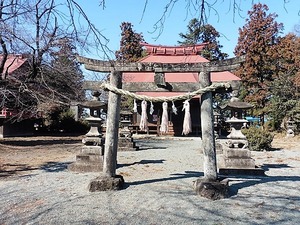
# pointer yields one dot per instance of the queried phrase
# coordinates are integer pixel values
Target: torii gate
(109, 180)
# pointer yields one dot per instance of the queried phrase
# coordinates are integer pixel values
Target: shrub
(68, 124)
(258, 139)
(62, 120)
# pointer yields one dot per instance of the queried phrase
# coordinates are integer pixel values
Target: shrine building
(172, 84)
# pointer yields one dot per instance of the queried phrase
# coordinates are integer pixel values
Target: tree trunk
(207, 126)
(112, 127)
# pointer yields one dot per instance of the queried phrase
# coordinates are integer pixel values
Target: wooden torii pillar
(109, 180)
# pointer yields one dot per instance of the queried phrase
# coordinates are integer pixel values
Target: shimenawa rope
(212, 87)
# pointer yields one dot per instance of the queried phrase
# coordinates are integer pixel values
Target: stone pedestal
(90, 159)
(126, 144)
(238, 161)
(236, 158)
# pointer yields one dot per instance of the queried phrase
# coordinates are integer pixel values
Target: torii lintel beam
(108, 66)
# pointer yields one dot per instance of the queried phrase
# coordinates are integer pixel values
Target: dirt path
(21, 156)
(158, 186)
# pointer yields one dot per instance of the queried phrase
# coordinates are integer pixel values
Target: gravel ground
(158, 190)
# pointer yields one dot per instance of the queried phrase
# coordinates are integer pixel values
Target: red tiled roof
(223, 76)
(13, 63)
(174, 54)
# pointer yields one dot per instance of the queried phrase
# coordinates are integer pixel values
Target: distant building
(173, 54)
(16, 66)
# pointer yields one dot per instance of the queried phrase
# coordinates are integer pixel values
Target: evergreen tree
(285, 89)
(130, 45)
(131, 50)
(257, 40)
(198, 33)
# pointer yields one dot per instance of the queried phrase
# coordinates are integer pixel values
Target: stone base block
(105, 183)
(126, 144)
(97, 150)
(239, 163)
(87, 163)
(237, 153)
(213, 190)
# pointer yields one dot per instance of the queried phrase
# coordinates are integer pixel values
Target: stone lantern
(90, 158)
(290, 125)
(126, 142)
(236, 154)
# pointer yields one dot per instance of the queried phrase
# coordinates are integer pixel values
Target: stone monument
(90, 159)
(236, 154)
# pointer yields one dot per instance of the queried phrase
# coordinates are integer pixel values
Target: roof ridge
(174, 50)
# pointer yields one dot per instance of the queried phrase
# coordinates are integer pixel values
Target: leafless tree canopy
(37, 30)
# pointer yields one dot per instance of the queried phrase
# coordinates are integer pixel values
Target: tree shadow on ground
(174, 176)
(244, 181)
(247, 181)
(142, 162)
(9, 170)
(54, 167)
(27, 143)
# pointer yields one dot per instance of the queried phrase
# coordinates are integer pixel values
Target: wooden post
(207, 126)
(112, 128)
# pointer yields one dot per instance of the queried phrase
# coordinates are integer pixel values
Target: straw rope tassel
(134, 106)
(164, 126)
(187, 122)
(144, 118)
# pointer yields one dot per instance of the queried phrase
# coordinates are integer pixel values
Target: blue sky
(108, 20)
